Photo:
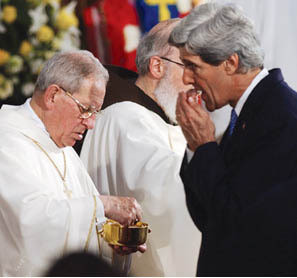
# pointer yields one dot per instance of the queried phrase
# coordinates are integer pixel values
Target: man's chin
(70, 143)
(210, 108)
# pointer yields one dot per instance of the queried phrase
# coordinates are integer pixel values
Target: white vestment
(133, 152)
(39, 222)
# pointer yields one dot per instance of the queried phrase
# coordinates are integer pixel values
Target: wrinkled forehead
(92, 91)
(91, 86)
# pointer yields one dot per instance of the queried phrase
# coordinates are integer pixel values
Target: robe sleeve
(129, 154)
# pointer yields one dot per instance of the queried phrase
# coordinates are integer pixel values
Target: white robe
(133, 152)
(38, 221)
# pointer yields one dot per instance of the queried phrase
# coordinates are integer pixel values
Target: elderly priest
(49, 204)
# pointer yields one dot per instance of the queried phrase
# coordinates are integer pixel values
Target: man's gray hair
(68, 69)
(155, 42)
(214, 32)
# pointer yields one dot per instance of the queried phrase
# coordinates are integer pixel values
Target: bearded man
(136, 150)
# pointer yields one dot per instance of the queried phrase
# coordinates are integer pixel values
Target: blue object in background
(151, 12)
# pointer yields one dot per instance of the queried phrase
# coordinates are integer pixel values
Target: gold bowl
(116, 234)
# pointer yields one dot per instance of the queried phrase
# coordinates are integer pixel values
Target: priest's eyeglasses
(85, 112)
(169, 60)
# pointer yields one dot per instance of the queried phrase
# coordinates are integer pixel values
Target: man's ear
(50, 96)
(231, 64)
(156, 67)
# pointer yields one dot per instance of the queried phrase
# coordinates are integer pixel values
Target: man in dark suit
(241, 194)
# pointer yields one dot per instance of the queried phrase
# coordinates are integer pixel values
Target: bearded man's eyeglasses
(85, 112)
(169, 60)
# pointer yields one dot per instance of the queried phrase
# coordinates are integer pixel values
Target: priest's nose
(90, 122)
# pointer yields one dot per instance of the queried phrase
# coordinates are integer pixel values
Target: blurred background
(31, 31)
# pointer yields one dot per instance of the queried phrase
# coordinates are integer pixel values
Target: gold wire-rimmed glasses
(85, 112)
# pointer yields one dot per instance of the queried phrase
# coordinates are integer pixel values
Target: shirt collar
(263, 73)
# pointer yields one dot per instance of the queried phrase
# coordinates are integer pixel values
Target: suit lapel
(250, 110)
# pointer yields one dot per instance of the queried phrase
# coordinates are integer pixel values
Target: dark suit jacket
(121, 87)
(243, 197)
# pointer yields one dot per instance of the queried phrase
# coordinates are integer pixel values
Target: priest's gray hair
(154, 43)
(214, 32)
(68, 69)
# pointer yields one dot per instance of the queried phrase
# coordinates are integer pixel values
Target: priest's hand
(125, 210)
(124, 250)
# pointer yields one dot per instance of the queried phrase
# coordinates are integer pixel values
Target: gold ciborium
(116, 234)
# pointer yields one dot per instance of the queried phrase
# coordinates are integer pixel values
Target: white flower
(56, 6)
(34, 41)
(6, 89)
(36, 65)
(70, 8)
(68, 41)
(2, 27)
(14, 64)
(28, 89)
(74, 32)
(39, 18)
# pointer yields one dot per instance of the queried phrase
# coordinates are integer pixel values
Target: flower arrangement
(31, 31)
